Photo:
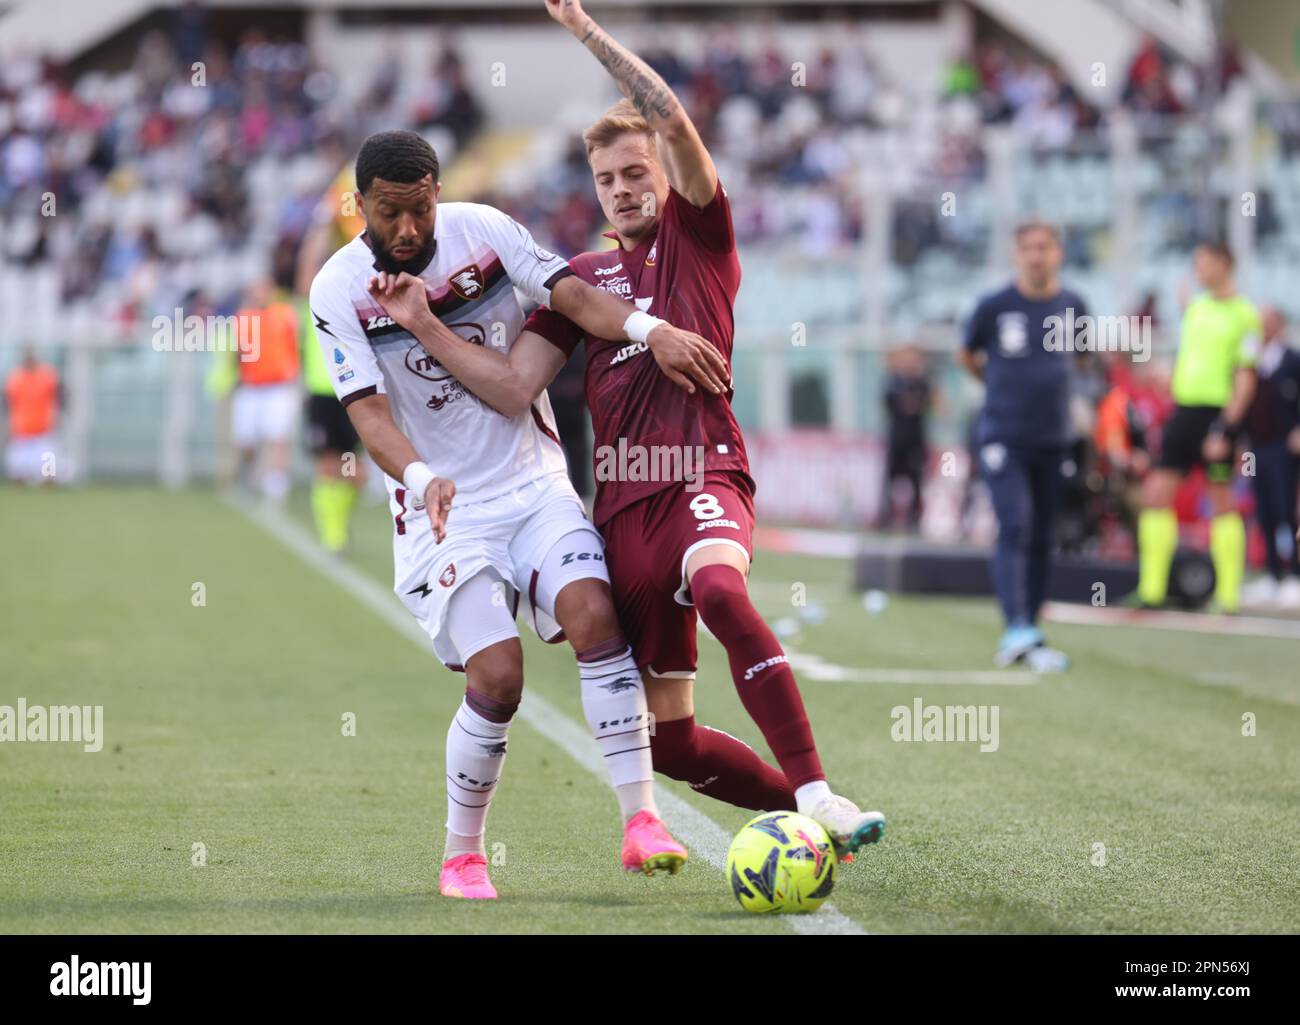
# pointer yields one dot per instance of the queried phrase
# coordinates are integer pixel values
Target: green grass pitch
(223, 728)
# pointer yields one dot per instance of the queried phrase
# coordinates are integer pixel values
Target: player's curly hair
(620, 118)
(397, 156)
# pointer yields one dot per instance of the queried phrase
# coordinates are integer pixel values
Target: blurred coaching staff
(1014, 343)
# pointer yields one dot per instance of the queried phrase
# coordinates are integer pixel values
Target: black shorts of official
(1182, 438)
(328, 426)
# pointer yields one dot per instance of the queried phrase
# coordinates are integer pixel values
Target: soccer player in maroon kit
(671, 544)
(679, 545)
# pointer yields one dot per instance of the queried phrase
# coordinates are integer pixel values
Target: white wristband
(639, 324)
(417, 477)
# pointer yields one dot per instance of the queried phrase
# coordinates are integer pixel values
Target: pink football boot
(466, 876)
(648, 846)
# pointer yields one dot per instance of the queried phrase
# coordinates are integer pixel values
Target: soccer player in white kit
(483, 511)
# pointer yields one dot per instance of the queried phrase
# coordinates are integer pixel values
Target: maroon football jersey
(685, 271)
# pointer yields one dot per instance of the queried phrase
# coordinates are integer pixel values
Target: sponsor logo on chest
(627, 352)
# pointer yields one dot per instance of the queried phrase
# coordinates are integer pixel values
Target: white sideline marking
(691, 826)
(1172, 619)
(834, 544)
(814, 667)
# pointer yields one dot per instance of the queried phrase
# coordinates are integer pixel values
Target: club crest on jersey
(994, 455)
(654, 252)
(468, 282)
(1013, 334)
(448, 576)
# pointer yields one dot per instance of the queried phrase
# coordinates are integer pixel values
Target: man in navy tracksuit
(1273, 423)
(1020, 342)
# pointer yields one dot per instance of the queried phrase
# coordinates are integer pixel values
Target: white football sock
(807, 796)
(476, 754)
(275, 485)
(457, 845)
(613, 699)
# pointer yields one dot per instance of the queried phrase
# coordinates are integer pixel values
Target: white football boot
(1288, 595)
(1262, 593)
(848, 826)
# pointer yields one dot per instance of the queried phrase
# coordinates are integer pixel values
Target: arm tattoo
(636, 80)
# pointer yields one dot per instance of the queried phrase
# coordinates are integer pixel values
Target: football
(781, 862)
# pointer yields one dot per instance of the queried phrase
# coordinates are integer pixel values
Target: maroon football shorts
(646, 548)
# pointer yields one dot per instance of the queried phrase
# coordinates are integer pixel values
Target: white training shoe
(1260, 593)
(848, 826)
(1043, 659)
(1288, 594)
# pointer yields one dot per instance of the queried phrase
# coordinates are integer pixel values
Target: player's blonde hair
(618, 120)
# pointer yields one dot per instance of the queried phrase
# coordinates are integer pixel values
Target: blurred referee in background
(1212, 386)
(1024, 430)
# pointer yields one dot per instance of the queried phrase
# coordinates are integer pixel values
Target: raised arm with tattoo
(690, 168)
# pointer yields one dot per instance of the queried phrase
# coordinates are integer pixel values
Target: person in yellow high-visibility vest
(332, 439)
(1212, 386)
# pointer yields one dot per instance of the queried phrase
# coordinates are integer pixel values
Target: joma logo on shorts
(767, 663)
(581, 557)
(708, 524)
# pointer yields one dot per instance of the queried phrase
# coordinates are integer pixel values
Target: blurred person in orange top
(1119, 433)
(33, 397)
(1119, 439)
(265, 406)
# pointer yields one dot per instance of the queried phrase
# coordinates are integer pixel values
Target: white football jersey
(481, 256)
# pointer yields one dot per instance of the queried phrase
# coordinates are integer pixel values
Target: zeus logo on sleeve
(570, 557)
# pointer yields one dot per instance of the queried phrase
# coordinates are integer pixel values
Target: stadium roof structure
(1079, 35)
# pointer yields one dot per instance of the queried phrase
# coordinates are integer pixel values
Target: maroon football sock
(718, 765)
(489, 707)
(763, 677)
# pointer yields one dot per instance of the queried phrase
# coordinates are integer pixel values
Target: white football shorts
(26, 458)
(263, 412)
(515, 538)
